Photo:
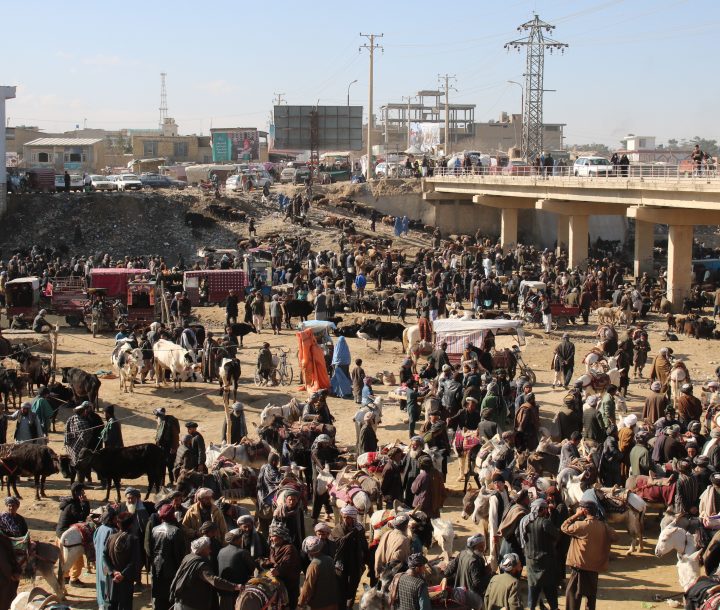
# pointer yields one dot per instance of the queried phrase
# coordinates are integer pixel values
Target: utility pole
(371, 48)
(163, 99)
(536, 43)
(447, 78)
(278, 98)
(409, 99)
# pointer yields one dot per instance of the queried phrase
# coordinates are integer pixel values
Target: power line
(278, 99)
(447, 78)
(163, 99)
(371, 48)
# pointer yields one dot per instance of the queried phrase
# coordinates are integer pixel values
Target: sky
(644, 67)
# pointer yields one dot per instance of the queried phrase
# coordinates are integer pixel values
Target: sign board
(11, 159)
(234, 144)
(425, 136)
(338, 127)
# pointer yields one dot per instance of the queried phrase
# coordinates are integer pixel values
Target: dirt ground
(630, 583)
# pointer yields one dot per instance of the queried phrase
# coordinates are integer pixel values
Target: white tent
(413, 150)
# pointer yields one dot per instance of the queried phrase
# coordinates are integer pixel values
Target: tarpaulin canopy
(312, 362)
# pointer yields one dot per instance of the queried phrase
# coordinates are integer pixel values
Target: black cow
(36, 370)
(229, 374)
(377, 329)
(82, 384)
(240, 329)
(296, 308)
(11, 384)
(114, 464)
(28, 460)
(59, 396)
(347, 330)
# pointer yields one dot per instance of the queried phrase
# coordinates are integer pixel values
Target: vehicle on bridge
(593, 167)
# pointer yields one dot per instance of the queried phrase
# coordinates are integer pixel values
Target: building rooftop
(64, 142)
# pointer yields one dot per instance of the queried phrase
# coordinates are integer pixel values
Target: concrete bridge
(672, 199)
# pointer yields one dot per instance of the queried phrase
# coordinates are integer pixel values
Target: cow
(82, 384)
(240, 329)
(35, 370)
(117, 463)
(377, 329)
(296, 309)
(29, 460)
(169, 356)
(229, 371)
(11, 384)
(59, 396)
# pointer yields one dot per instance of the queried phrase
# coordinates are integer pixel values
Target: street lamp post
(348, 91)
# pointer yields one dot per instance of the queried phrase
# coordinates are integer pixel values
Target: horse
(289, 413)
(242, 453)
(632, 517)
(675, 538)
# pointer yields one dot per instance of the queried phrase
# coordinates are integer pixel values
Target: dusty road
(631, 582)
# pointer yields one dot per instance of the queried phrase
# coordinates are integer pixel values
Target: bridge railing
(613, 173)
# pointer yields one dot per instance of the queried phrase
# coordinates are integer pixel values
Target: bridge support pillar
(508, 227)
(578, 240)
(563, 233)
(680, 241)
(644, 244)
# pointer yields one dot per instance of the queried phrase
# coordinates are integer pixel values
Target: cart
(142, 303)
(219, 283)
(563, 314)
(22, 296)
(68, 298)
(98, 312)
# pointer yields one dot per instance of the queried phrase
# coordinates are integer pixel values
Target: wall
(166, 147)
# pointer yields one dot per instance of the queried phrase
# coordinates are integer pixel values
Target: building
(72, 154)
(643, 149)
(506, 133)
(166, 144)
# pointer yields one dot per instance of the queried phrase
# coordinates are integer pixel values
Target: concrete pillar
(508, 227)
(680, 240)
(578, 240)
(644, 243)
(563, 232)
(6, 93)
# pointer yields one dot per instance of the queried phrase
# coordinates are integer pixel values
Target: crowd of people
(201, 551)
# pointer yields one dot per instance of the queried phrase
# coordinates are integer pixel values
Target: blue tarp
(340, 384)
(341, 354)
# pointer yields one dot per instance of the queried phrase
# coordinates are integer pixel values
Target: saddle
(612, 499)
(598, 379)
(656, 491)
(270, 591)
(448, 597)
(346, 494)
(86, 536)
(256, 450)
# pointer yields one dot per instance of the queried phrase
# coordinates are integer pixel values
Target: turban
(238, 406)
(203, 492)
(245, 520)
(509, 562)
(701, 460)
(686, 388)
(587, 504)
(473, 541)
(418, 439)
(278, 529)
(312, 545)
(322, 527)
(592, 400)
(198, 545)
(167, 512)
(232, 536)
(416, 560)
(663, 351)
(349, 511)
(630, 420)
(12, 501)
(323, 438)
(400, 521)
(715, 478)
(492, 387)
(132, 491)
(655, 386)
(207, 527)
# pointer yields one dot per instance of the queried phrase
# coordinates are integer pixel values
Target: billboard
(338, 127)
(234, 144)
(426, 136)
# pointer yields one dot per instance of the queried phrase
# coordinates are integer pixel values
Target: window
(150, 148)
(43, 157)
(75, 157)
(180, 149)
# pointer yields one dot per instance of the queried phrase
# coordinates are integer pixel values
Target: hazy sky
(634, 66)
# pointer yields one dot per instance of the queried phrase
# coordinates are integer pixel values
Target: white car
(234, 183)
(593, 167)
(387, 170)
(76, 183)
(103, 183)
(128, 182)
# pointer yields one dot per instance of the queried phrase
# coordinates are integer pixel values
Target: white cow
(126, 360)
(171, 357)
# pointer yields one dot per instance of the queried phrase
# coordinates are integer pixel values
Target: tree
(708, 146)
(673, 143)
(599, 149)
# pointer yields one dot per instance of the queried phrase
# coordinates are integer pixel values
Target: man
(197, 447)
(40, 324)
(499, 503)
(166, 549)
(439, 356)
(73, 509)
(412, 406)
(640, 454)
(391, 486)
(539, 538)
(428, 489)
(689, 407)
(12, 525)
(108, 526)
(167, 437)
(265, 364)
(350, 554)
(661, 368)
(686, 490)
(238, 427)
(357, 376)
(367, 440)
(411, 467)
(290, 514)
(276, 314)
(204, 509)
(112, 432)
(43, 409)
(194, 585)
(250, 540)
(78, 436)
(28, 427)
(319, 590)
(436, 435)
(564, 361)
(394, 544)
(235, 565)
(496, 405)
(502, 592)
(569, 450)
(469, 570)
(655, 403)
(185, 459)
(122, 559)
(269, 479)
(231, 308)
(589, 554)
(409, 590)
(284, 562)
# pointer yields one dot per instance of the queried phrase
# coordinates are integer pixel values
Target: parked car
(234, 183)
(76, 182)
(158, 181)
(102, 183)
(387, 170)
(128, 182)
(517, 167)
(593, 166)
(288, 175)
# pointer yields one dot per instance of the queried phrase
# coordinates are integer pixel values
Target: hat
(322, 527)
(663, 351)
(232, 536)
(587, 504)
(160, 411)
(349, 511)
(686, 388)
(565, 336)
(186, 437)
(473, 541)
(207, 527)
(630, 420)
(655, 386)
(701, 460)
(278, 529)
(199, 544)
(509, 562)
(82, 406)
(417, 438)
(191, 424)
(446, 367)
(132, 491)
(471, 399)
(497, 477)
(416, 560)
(238, 407)
(492, 387)
(203, 492)
(694, 426)
(690, 444)
(245, 520)
(400, 521)
(713, 385)
(167, 512)
(715, 478)
(26, 405)
(12, 501)
(312, 545)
